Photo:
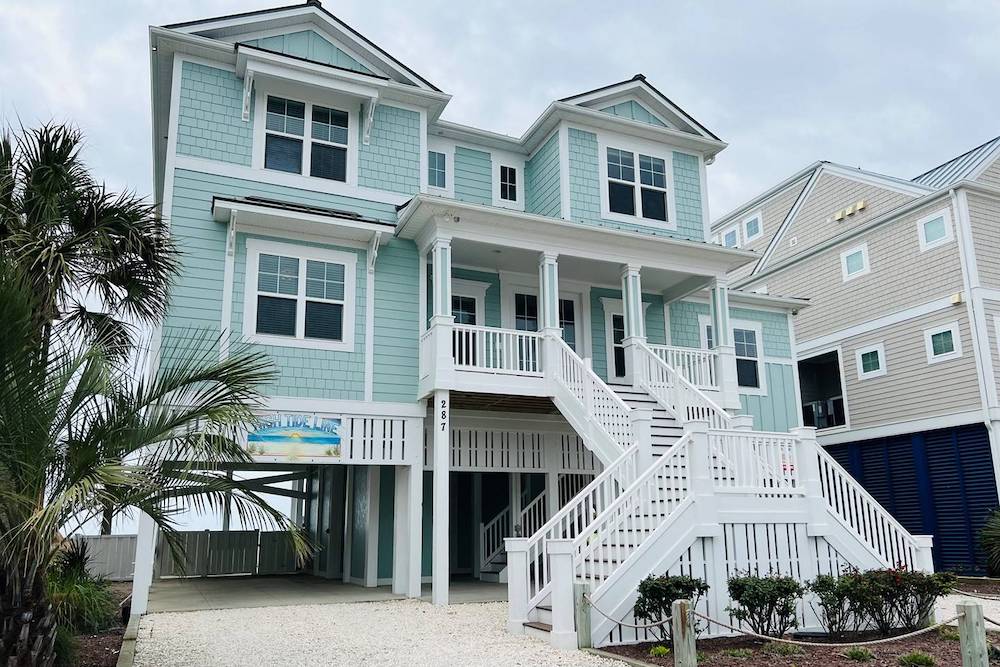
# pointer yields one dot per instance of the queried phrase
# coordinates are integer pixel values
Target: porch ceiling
(499, 258)
(466, 400)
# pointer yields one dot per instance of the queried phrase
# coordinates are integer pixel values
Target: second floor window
(436, 170)
(649, 200)
(289, 139)
(508, 183)
(747, 358)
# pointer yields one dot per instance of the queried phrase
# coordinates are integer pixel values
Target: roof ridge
(957, 157)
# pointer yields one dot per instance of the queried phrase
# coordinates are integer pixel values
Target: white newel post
(145, 552)
(722, 333)
(925, 553)
(517, 583)
(563, 633)
(700, 463)
(642, 435)
(635, 321)
(442, 453)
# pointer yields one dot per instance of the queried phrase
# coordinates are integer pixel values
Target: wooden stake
(972, 634)
(682, 624)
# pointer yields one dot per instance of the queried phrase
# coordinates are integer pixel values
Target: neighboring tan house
(499, 358)
(898, 353)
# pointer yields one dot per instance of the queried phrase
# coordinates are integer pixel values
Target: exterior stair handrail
(684, 400)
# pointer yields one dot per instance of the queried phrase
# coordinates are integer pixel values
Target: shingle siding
(542, 180)
(391, 160)
(634, 111)
(209, 118)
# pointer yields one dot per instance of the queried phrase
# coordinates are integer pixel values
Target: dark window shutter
(275, 316)
(324, 320)
(283, 154)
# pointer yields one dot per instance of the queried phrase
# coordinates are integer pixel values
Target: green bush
(82, 603)
(657, 594)
(766, 604)
(897, 598)
(859, 654)
(783, 649)
(948, 633)
(837, 602)
(916, 659)
(659, 652)
(738, 653)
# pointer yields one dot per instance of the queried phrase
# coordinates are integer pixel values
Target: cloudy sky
(895, 87)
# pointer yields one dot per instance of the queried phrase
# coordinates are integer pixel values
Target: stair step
(535, 625)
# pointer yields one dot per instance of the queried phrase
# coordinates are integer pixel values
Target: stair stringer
(594, 437)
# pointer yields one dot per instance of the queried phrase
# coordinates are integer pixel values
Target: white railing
(622, 527)
(598, 401)
(496, 350)
(532, 516)
(574, 517)
(755, 462)
(699, 367)
(863, 515)
(491, 536)
(675, 392)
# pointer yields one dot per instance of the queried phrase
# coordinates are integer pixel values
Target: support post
(583, 622)
(477, 522)
(145, 552)
(517, 584)
(415, 528)
(442, 319)
(925, 553)
(563, 634)
(683, 634)
(548, 290)
(440, 569)
(972, 634)
(642, 435)
(722, 333)
(227, 511)
(401, 536)
(374, 479)
(515, 503)
(551, 492)
(807, 459)
(635, 324)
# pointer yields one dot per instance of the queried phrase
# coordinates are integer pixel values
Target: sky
(893, 87)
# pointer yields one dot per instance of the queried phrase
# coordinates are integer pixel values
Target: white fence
(111, 556)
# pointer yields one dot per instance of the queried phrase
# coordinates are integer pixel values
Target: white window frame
(759, 217)
(472, 289)
(501, 159)
(256, 247)
(929, 346)
(330, 100)
(447, 159)
(863, 249)
(637, 147)
(882, 367)
(846, 426)
(758, 330)
(949, 234)
(439, 145)
(735, 229)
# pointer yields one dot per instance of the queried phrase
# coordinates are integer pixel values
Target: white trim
(871, 325)
(949, 230)
(786, 224)
(704, 321)
(795, 369)
(472, 289)
(345, 408)
(349, 259)
(866, 267)
(611, 308)
(955, 338)
(565, 202)
(846, 426)
(422, 292)
(439, 145)
(516, 162)
(735, 229)
(636, 146)
(758, 329)
(879, 349)
(227, 287)
(829, 437)
(756, 215)
(369, 327)
(603, 104)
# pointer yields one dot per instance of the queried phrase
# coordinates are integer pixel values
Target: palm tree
(81, 431)
(98, 262)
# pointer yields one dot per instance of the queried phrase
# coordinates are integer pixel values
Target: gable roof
(287, 15)
(639, 86)
(960, 168)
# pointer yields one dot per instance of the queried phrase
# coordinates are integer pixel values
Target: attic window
(306, 139)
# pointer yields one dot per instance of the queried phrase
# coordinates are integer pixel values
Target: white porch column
(722, 333)
(400, 530)
(635, 321)
(145, 552)
(477, 520)
(374, 478)
(442, 453)
(441, 280)
(551, 492)
(548, 290)
(415, 502)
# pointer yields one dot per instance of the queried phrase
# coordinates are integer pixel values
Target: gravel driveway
(405, 632)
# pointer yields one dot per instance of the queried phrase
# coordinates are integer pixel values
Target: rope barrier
(981, 596)
(871, 642)
(990, 620)
(645, 626)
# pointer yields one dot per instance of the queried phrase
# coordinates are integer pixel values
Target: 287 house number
(444, 414)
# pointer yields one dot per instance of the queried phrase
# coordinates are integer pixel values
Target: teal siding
(541, 180)
(210, 116)
(585, 194)
(391, 160)
(774, 326)
(491, 307)
(655, 329)
(396, 341)
(311, 46)
(684, 323)
(634, 111)
(473, 176)
(386, 514)
(778, 411)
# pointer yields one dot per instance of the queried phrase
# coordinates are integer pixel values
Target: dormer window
(508, 183)
(645, 197)
(291, 143)
(285, 129)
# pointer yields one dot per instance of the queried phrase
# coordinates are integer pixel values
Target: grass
(780, 648)
(659, 652)
(948, 633)
(739, 653)
(916, 659)
(859, 654)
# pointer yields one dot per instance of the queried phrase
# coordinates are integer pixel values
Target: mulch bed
(979, 585)
(946, 653)
(102, 650)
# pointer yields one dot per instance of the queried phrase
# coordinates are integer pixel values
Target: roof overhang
(426, 217)
(320, 223)
(768, 300)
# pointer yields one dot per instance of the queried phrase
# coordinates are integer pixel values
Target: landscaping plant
(767, 604)
(917, 659)
(859, 654)
(837, 603)
(659, 651)
(898, 598)
(657, 594)
(82, 603)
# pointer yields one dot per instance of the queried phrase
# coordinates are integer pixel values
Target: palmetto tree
(79, 432)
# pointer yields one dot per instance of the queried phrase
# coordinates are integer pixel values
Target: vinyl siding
(209, 118)
(901, 277)
(473, 176)
(391, 160)
(311, 46)
(830, 194)
(991, 309)
(634, 111)
(903, 394)
(541, 180)
(984, 215)
(397, 299)
(992, 175)
(773, 211)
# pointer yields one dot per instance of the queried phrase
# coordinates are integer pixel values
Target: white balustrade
(664, 383)
(532, 516)
(755, 462)
(491, 536)
(494, 350)
(697, 366)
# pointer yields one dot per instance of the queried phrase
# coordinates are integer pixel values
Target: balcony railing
(697, 366)
(493, 350)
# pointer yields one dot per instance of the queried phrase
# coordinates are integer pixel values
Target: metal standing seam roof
(958, 168)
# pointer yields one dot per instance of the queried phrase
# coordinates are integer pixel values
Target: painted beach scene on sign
(296, 435)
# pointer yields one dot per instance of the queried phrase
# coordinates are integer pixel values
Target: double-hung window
(747, 358)
(289, 138)
(437, 173)
(299, 296)
(646, 199)
(508, 183)
(621, 181)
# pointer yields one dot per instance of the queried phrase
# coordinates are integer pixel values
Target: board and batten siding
(912, 388)
(634, 111)
(391, 160)
(312, 46)
(585, 190)
(773, 211)
(814, 224)
(901, 277)
(210, 116)
(984, 216)
(473, 176)
(541, 180)
(655, 325)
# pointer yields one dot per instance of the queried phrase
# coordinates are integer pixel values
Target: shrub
(659, 652)
(657, 594)
(948, 633)
(859, 654)
(897, 597)
(916, 659)
(766, 604)
(989, 537)
(838, 603)
(738, 653)
(82, 603)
